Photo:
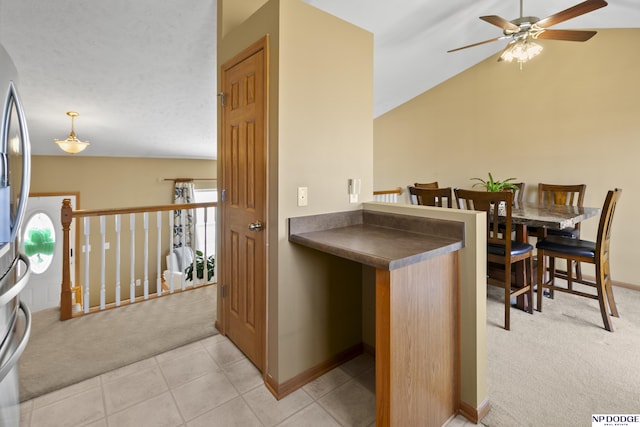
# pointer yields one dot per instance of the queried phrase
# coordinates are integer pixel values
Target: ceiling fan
(524, 29)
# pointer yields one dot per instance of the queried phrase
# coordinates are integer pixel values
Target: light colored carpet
(559, 366)
(64, 353)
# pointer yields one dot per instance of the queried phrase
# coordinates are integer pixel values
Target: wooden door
(243, 163)
(42, 222)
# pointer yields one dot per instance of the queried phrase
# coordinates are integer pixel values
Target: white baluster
(132, 283)
(182, 241)
(171, 223)
(87, 249)
(117, 220)
(159, 246)
(214, 249)
(145, 217)
(103, 249)
(194, 271)
(205, 212)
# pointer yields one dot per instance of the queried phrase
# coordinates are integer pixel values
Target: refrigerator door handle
(13, 359)
(13, 100)
(20, 283)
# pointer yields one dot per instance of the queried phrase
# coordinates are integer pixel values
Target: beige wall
(320, 114)
(234, 13)
(570, 116)
(326, 99)
(101, 180)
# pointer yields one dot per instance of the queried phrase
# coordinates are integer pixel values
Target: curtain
(183, 231)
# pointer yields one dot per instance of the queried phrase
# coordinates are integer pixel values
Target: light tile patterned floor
(206, 384)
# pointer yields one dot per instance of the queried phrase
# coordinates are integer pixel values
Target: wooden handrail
(119, 211)
(394, 191)
(68, 215)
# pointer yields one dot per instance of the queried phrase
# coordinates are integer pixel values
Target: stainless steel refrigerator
(15, 175)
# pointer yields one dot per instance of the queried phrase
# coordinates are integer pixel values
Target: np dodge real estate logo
(615, 420)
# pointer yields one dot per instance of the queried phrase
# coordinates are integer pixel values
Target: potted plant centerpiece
(495, 185)
(200, 267)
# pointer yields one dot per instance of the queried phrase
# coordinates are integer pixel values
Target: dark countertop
(381, 240)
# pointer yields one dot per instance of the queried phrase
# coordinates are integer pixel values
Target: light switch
(302, 196)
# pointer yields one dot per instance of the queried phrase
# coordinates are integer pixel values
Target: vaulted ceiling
(142, 74)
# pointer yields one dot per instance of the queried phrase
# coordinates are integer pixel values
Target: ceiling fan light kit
(520, 51)
(523, 30)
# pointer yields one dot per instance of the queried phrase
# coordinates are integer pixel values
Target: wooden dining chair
(433, 184)
(501, 249)
(412, 198)
(440, 197)
(560, 194)
(576, 250)
(568, 195)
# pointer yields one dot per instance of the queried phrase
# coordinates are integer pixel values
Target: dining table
(544, 217)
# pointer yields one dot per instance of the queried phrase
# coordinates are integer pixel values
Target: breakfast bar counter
(417, 305)
(377, 244)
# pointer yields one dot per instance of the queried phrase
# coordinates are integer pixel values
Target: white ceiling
(142, 74)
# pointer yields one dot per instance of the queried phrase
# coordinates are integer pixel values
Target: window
(39, 241)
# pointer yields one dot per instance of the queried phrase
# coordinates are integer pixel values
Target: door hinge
(224, 291)
(223, 195)
(223, 100)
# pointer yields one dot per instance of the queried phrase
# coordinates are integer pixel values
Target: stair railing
(155, 237)
(389, 196)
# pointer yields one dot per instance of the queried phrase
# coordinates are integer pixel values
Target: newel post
(65, 293)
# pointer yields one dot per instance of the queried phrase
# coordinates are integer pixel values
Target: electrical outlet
(303, 196)
(138, 282)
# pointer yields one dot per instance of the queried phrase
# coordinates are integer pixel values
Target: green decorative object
(211, 264)
(39, 243)
(494, 185)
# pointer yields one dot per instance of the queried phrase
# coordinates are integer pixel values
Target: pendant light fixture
(72, 144)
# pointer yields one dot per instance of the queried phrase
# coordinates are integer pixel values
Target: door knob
(256, 226)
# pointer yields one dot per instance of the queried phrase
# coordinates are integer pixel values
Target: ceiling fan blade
(500, 22)
(477, 44)
(568, 35)
(572, 12)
